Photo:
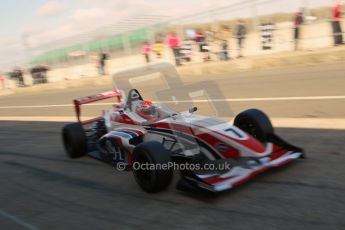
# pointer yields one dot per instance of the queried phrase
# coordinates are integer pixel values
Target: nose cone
(227, 138)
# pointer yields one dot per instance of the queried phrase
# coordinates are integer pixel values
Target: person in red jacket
(298, 21)
(337, 31)
(174, 42)
(146, 50)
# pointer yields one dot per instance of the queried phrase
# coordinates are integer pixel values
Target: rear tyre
(256, 123)
(74, 140)
(152, 153)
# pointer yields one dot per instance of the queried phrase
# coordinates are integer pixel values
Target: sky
(29, 23)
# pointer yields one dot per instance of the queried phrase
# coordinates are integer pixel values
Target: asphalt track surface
(41, 188)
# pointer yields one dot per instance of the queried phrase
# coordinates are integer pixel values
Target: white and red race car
(138, 132)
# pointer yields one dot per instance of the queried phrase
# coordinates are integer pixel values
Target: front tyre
(152, 153)
(256, 123)
(74, 140)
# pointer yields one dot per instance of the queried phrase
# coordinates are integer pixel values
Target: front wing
(283, 154)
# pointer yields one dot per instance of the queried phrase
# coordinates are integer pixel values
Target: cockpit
(148, 110)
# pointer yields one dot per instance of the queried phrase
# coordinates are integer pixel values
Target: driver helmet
(147, 110)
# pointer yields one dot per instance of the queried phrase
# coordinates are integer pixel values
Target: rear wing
(98, 97)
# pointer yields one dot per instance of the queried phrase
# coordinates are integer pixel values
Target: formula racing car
(137, 131)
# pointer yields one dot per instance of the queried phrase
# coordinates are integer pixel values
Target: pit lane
(41, 188)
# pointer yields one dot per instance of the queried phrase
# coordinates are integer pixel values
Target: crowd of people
(299, 20)
(38, 75)
(201, 40)
(182, 49)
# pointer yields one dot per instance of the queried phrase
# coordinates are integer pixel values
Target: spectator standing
(222, 36)
(102, 58)
(200, 39)
(241, 32)
(224, 54)
(2, 81)
(17, 74)
(337, 31)
(146, 51)
(174, 42)
(158, 48)
(298, 21)
(186, 50)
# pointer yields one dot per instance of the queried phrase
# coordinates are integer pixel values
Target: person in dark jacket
(224, 53)
(102, 58)
(241, 32)
(200, 39)
(298, 21)
(17, 74)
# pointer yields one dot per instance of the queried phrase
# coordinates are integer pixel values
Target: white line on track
(197, 101)
(17, 221)
(307, 123)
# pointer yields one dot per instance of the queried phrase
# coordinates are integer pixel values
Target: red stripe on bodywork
(251, 143)
(206, 137)
(253, 174)
(215, 180)
(123, 118)
(277, 154)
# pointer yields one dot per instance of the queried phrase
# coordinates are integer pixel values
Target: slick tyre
(256, 123)
(74, 140)
(152, 153)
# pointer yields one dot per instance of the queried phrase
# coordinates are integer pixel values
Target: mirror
(193, 109)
